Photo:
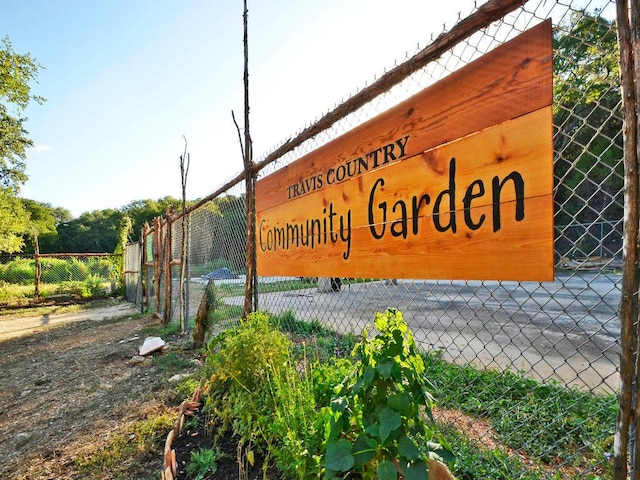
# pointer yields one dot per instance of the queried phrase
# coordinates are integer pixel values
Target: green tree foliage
(144, 211)
(43, 222)
(16, 72)
(13, 222)
(91, 232)
(124, 231)
(588, 136)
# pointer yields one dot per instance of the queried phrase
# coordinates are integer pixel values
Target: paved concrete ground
(567, 330)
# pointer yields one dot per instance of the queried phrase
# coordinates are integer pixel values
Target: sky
(126, 81)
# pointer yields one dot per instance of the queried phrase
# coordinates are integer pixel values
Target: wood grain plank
(467, 197)
(510, 81)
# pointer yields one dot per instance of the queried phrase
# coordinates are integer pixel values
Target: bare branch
(239, 136)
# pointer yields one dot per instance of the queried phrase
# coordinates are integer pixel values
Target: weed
(296, 425)
(203, 462)
(171, 362)
(239, 363)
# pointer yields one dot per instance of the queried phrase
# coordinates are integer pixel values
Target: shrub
(240, 362)
(20, 271)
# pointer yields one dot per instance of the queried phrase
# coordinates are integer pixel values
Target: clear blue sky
(126, 79)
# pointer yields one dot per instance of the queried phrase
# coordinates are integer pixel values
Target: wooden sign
(454, 183)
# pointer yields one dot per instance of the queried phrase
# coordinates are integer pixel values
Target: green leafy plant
(203, 462)
(297, 426)
(378, 428)
(239, 364)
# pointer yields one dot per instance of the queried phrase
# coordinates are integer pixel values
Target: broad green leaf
(337, 425)
(416, 470)
(380, 322)
(387, 471)
(364, 450)
(339, 404)
(408, 449)
(373, 430)
(338, 456)
(385, 368)
(401, 403)
(368, 375)
(330, 474)
(440, 453)
(389, 421)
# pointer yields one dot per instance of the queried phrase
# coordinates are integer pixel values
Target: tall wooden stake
(250, 302)
(628, 41)
(36, 244)
(185, 160)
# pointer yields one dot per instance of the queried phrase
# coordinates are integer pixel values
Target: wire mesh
(60, 277)
(559, 340)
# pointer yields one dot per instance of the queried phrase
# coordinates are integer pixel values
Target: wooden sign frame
(454, 183)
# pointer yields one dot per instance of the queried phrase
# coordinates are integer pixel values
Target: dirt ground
(67, 380)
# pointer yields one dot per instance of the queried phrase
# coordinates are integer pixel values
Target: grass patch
(237, 289)
(59, 309)
(312, 340)
(171, 362)
(475, 462)
(126, 446)
(545, 421)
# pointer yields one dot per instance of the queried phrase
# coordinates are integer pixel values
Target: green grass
(476, 462)
(312, 340)
(545, 421)
(172, 362)
(143, 437)
(237, 289)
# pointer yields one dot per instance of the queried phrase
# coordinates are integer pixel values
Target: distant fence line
(31, 279)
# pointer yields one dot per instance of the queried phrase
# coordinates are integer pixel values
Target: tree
(13, 222)
(588, 138)
(92, 232)
(124, 231)
(16, 72)
(144, 211)
(43, 222)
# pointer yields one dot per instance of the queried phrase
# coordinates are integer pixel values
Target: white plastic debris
(150, 345)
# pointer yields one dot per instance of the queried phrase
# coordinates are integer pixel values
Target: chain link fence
(547, 351)
(25, 279)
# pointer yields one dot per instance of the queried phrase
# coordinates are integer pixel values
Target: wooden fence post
(628, 402)
(167, 268)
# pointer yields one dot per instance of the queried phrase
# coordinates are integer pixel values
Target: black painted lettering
(331, 176)
(363, 165)
(497, 185)
(374, 154)
(388, 153)
(415, 210)
(451, 192)
(399, 227)
(402, 143)
(345, 234)
(382, 206)
(466, 202)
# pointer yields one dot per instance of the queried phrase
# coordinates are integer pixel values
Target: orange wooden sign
(454, 183)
